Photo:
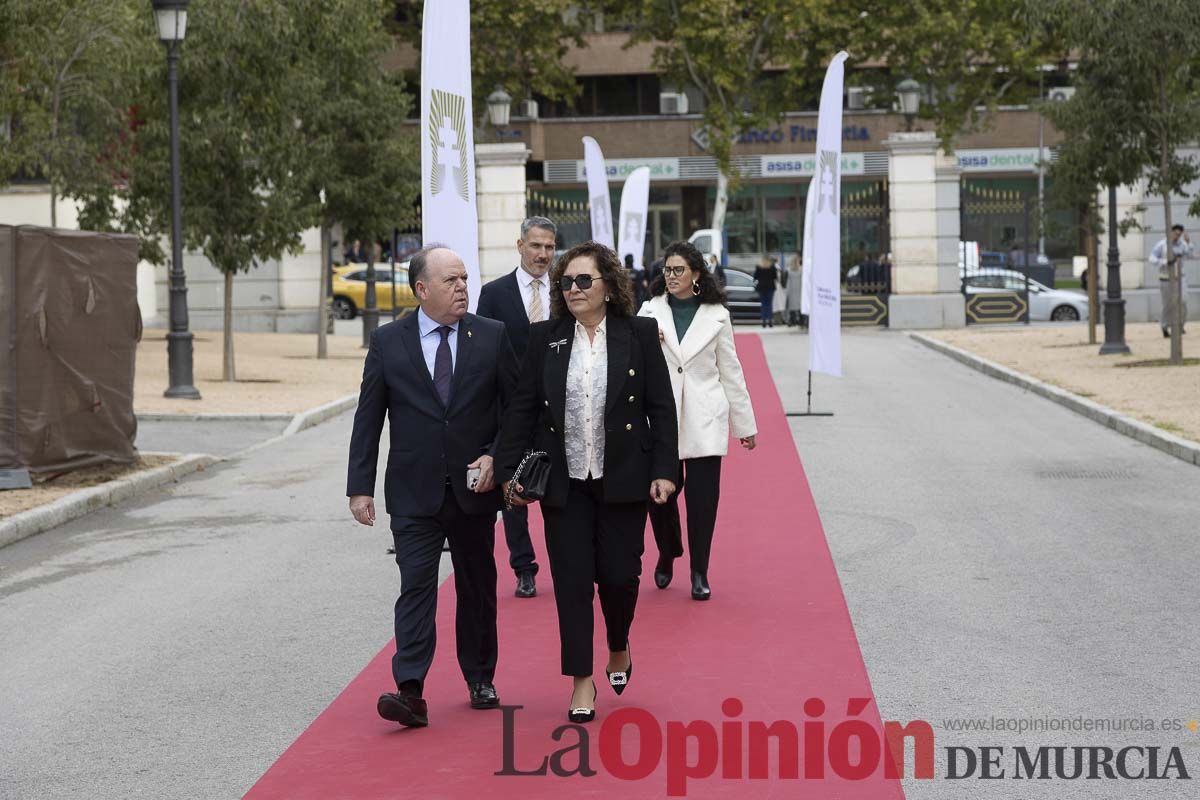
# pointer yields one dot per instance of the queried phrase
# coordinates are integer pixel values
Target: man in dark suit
(442, 377)
(517, 299)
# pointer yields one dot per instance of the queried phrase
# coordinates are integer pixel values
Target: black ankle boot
(664, 570)
(700, 590)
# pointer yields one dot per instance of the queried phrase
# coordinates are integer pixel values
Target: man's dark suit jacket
(641, 441)
(428, 440)
(501, 299)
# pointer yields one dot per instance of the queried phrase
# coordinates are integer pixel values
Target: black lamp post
(171, 16)
(908, 92)
(1114, 304)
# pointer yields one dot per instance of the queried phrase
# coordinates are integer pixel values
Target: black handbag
(533, 474)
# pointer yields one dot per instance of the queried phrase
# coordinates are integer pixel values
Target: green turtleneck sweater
(684, 312)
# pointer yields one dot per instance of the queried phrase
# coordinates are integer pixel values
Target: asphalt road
(1000, 557)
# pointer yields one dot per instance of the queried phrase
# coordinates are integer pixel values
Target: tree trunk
(229, 374)
(719, 206)
(53, 207)
(1174, 285)
(1093, 275)
(323, 301)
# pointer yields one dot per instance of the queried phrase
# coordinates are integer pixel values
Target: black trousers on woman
(702, 477)
(591, 542)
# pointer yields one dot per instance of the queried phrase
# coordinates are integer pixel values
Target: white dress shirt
(524, 281)
(587, 390)
(430, 339)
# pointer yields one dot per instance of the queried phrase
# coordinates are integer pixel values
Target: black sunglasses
(584, 282)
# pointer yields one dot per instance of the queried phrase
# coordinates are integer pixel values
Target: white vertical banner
(635, 204)
(806, 261)
(598, 197)
(825, 313)
(448, 212)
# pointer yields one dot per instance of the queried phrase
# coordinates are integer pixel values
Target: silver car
(1045, 304)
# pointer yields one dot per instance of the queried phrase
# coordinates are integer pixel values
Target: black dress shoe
(483, 695)
(526, 587)
(619, 680)
(583, 714)
(664, 570)
(700, 590)
(407, 709)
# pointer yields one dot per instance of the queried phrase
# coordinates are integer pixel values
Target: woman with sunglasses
(595, 395)
(711, 400)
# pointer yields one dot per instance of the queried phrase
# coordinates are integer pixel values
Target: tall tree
(515, 44)
(1147, 53)
(65, 90)
(749, 62)
(366, 166)
(968, 56)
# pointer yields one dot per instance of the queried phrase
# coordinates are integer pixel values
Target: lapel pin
(556, 345)
(469, 334)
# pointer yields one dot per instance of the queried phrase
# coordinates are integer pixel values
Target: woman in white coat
(711, 401)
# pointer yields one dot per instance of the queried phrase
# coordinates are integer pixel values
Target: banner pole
(809, 412)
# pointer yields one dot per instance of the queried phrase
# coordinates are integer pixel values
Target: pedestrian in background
(766, 280)
(795, 288)
(1181, 247)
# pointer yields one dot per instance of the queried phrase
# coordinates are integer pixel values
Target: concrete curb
(303, 421)
(77, 504)
(1170, 444)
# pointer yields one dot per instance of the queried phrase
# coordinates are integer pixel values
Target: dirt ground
(1163, 396)
(50, 486)
(276, 373)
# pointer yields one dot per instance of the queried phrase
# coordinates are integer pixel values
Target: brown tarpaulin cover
(69, 328)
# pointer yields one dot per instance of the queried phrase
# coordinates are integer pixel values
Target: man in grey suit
(519, 299)
(442, 378)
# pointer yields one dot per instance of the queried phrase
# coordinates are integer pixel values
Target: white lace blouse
(587, 388)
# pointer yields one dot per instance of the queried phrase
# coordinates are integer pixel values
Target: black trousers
(418, 553)
(702, 477)
(520, 546)
(591, 542)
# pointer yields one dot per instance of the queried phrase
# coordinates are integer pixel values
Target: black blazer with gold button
(641, 440)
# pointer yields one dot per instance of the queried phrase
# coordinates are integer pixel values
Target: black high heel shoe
(582, 714)
(619, 680)
(664, 570)
(700, 590)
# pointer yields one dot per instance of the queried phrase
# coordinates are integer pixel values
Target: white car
(1044, 303)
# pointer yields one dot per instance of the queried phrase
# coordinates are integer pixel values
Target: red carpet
(775, 635)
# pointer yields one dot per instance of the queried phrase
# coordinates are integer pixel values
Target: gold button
(628, 427)
(631, 398)
(632, 372)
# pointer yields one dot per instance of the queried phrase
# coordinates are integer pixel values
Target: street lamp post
(908, 92)
(1114, 304)
(499, 104)
(171, 16)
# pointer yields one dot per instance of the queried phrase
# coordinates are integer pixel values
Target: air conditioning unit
(527, 108)
(857, 97)
(1060, 94)
(672, 103)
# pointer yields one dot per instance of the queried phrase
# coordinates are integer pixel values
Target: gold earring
(695, 287)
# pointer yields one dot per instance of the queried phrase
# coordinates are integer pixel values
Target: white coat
(710, 391)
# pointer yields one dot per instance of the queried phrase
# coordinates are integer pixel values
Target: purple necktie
(443, 366)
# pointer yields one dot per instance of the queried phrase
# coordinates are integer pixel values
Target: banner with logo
(825, 313)
(598, 198)
(635, 202)
(448, 212)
